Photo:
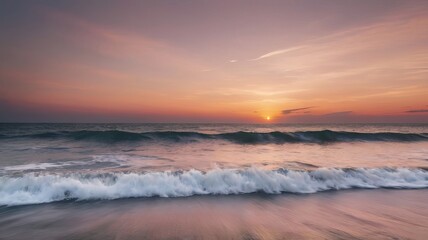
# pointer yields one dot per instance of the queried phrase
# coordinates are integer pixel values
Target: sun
(268, 118)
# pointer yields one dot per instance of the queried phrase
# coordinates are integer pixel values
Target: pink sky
(214, 61)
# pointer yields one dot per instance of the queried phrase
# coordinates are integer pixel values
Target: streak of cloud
(417, 111)
(294, 110)
(277, 52)
(338, 113)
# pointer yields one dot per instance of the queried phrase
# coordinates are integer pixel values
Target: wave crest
(32, 188)
(324, 136)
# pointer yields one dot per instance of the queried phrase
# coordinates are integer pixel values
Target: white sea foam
(115, 159)
(31, 166)
(32, 188)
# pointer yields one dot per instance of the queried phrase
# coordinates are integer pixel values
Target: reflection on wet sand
(351, 214)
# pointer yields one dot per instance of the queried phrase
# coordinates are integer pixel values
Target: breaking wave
(44, 188)
(324, 136)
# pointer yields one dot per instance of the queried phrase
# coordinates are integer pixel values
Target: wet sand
(349, 214)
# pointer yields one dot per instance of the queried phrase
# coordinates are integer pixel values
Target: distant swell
(325, 136)
(33, 189)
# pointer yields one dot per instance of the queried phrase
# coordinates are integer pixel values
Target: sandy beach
(350, 214)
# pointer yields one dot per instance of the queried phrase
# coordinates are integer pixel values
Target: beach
(350, 214)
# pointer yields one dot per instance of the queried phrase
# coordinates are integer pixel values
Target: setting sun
(268, 118)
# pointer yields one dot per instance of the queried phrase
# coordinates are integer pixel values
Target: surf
(44, 188)
(240, 137)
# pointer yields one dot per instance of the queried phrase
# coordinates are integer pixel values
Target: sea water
(127, 171)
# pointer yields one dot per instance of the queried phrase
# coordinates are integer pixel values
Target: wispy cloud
(114, 43)
(385, 59)
(342, 113)
(233, 61)
(417, 111)
(277, 52)
(294, 110)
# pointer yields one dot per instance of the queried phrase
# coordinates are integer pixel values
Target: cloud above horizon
(342, 113)
(417, 111)
(295, 110)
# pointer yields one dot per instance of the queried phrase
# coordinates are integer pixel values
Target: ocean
(213, 181)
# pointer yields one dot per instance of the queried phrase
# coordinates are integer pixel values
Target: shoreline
(348, 214)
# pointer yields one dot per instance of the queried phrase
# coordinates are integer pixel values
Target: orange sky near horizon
(231, 61)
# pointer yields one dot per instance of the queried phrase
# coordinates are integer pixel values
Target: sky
(295, 61)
